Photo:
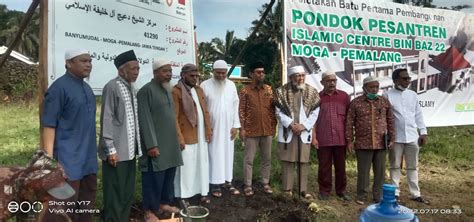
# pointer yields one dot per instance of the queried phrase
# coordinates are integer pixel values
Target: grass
(446, 165)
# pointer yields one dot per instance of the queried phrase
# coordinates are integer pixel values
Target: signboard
(357, 39)
(153, 28)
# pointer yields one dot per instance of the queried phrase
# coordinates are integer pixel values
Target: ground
(446, 177)
(446, 188)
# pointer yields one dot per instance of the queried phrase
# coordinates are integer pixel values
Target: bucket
(194, 213)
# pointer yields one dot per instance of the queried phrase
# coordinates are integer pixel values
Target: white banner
(152, 28)
(357, 39)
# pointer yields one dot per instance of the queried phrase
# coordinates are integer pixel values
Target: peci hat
(328, 73)
(256, 65)
(219, 64)
(71, 53)
(124, 58)
(189, 67)
(370, 79)
(296, 69)
(158, 63)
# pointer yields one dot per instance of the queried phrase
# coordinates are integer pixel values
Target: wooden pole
(43, 61)
(237, 60)
(284, 76)
(24, 23)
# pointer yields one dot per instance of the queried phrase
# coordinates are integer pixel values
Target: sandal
(307, 196)
(267, 189)
(217, 193)
(248, 191)
(232, 190)
(288, 193)
(205, 200)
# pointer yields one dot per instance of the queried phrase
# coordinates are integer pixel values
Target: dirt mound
(260, 206)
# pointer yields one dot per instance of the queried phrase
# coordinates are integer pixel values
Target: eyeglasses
(406, 78)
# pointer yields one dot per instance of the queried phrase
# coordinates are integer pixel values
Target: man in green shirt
(161, 150)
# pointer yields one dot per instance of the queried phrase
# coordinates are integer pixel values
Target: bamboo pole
(237, 60)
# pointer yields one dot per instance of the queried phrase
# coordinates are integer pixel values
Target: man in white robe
(194, 133)
(223, 105)
(297, 109)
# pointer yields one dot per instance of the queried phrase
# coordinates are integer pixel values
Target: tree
(267, 44)
(9, 26)
(223, 48)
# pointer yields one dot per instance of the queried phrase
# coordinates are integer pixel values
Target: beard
(220, 86)
(167, 86)
(297, 87)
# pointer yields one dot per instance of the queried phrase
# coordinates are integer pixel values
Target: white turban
(370, 79)
(220, 64)
(328, 73)
(158, 63)
(296, 69)
(71, 53)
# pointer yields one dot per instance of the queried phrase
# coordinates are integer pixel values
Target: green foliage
(19, 134)
(448, 147)
(18, 82)
(10, 25)
(452, 144)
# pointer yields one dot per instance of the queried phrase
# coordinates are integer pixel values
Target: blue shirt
(69, 107)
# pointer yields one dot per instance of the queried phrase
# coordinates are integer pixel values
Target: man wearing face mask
(119, 138)
(297, 109)
(411, 133)
(369, 118)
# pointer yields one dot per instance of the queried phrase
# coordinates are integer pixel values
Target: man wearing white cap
(160, 145)
(223, 105)
(369, 119)
(297, 108)
(330, 139)
(119, 138)
(69, 133)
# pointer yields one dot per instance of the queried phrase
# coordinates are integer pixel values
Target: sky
(214, 17)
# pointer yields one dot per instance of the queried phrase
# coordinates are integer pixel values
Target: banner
(357, 39)
(153, 28)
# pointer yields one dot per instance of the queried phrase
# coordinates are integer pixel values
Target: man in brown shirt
(194, 133)
(258, 122)
(369, 117)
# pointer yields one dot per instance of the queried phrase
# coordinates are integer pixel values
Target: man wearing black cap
(119, 138)
(258, 123)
